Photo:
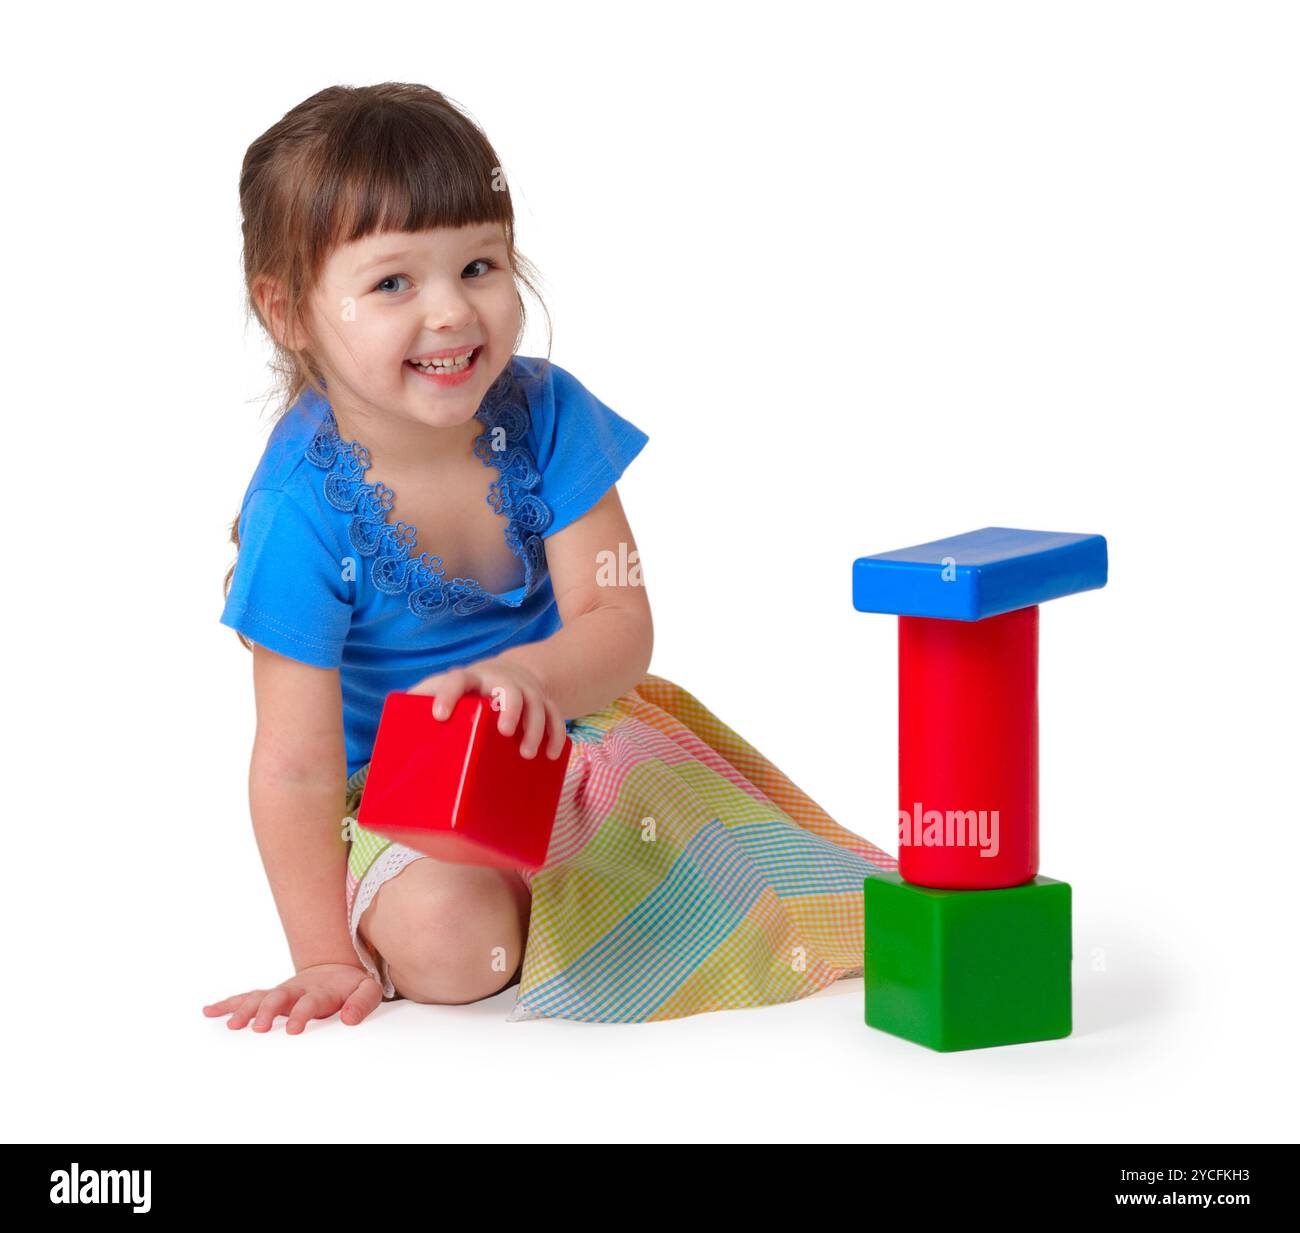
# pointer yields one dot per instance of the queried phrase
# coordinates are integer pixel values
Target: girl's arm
(296, 792)
(605, 646)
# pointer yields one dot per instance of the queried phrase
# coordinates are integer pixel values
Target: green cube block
(959, 969)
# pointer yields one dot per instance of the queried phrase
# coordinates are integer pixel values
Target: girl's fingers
(309, 1006)
(266, 1004)
(558, 730)
(247, 1008)
(449, 692)
(365, 997)
(512, 704)
(273, 1004)
(534, 726)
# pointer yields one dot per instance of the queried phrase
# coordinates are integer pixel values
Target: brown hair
(346, 163)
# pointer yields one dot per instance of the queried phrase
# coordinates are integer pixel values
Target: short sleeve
(288, 591)
(582, 446)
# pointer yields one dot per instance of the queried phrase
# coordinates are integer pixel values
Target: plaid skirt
(685, 874)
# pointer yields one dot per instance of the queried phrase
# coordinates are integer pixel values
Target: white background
(868, 275)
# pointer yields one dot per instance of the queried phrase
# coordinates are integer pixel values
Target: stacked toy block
(966, 945)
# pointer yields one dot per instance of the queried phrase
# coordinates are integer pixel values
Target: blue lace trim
(396, 566)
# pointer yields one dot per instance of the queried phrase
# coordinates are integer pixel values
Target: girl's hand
(314, 993)
(511, 688)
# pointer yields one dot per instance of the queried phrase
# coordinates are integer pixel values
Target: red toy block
(456, 789)
(968, 750)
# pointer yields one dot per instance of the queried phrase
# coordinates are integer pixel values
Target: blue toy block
(980, 574)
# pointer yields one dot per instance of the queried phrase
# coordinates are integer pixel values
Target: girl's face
(390, 304)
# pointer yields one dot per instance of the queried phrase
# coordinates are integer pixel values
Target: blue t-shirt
(323, 577)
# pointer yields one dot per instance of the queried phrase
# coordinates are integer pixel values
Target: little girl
(438, 514)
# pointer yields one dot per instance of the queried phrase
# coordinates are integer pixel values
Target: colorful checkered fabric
(686, 873)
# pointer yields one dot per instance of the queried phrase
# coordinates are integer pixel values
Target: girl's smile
(448, 367)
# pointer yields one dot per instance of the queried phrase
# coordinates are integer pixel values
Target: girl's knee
(456, 944)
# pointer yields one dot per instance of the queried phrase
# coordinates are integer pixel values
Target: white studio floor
(1182, 1037)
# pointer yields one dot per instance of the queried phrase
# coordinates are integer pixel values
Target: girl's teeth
(459, 364)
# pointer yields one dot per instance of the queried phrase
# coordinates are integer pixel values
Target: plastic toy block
(967, 969)
(979, 574)
(968, 751)
(456, 789)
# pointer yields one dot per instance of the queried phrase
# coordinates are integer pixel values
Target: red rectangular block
(456, 789)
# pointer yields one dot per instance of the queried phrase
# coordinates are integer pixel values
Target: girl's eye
(486, 262)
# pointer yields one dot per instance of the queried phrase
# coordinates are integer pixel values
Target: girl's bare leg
(451, 933)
